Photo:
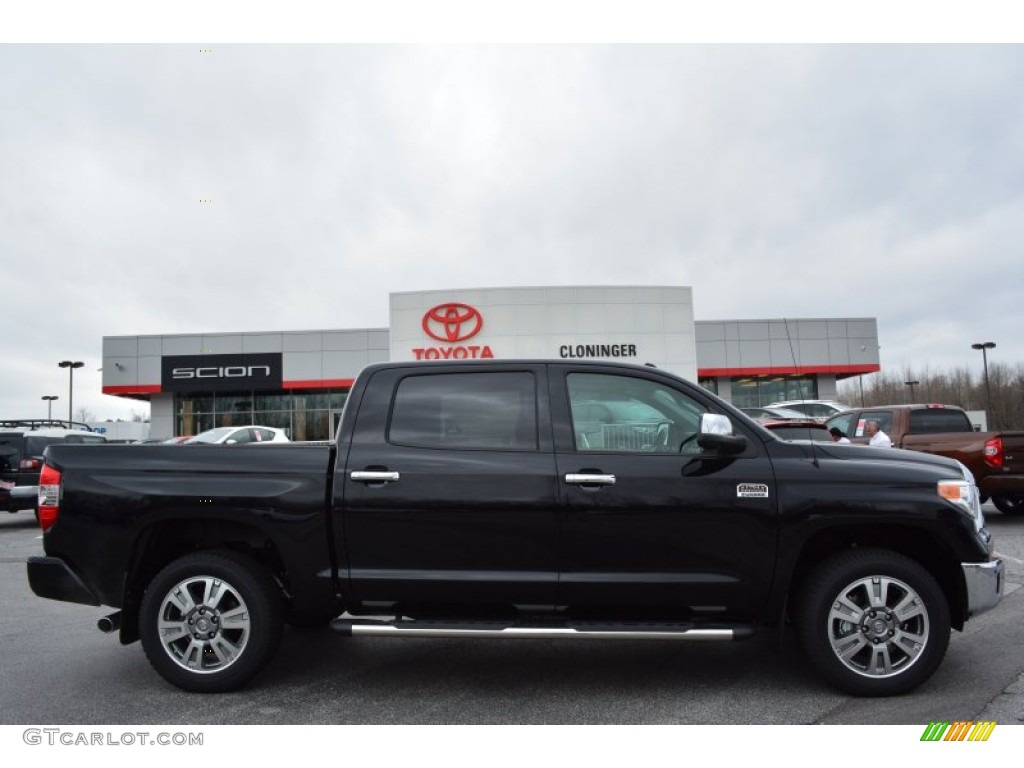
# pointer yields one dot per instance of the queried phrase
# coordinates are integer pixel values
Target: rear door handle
(584, 479)
(370, 476)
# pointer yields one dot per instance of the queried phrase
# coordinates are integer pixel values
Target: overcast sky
(777, 181)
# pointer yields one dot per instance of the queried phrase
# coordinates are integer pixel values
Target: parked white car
(239, 436)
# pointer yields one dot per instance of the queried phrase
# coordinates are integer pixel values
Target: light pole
(49, 405)
(912, 384)
(70, 365)
(985, 346)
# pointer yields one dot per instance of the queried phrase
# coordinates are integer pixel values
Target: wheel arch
(915, 543)
(164, 542)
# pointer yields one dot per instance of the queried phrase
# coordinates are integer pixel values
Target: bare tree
(957, 387)
(83, 414)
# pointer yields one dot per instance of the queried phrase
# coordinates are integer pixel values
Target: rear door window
(460, 411)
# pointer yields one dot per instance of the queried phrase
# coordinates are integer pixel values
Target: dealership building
(298, 380)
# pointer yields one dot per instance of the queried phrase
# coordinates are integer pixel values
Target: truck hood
(855, 452)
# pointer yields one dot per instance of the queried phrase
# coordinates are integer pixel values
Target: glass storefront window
(232, 404)
(194, 423)
(234, 419)
(311, 401)
(193, 403)
(312, 425)
(272, 402)
(755, 391)
(303, 415)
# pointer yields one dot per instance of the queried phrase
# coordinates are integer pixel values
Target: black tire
(229, 617)
(858, 642)
(1009, 505)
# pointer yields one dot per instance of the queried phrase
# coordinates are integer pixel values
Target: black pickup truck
(522, 499)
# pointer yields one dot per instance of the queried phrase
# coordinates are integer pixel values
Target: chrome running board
(570, 630)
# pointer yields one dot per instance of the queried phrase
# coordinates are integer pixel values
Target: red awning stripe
(132, 389)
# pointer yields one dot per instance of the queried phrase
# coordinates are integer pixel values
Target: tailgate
(1013, 452)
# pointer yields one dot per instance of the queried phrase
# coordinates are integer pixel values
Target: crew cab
(527, 498)
(995, 458)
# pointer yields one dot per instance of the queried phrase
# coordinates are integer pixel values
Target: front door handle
(371, 476)
(584, 479)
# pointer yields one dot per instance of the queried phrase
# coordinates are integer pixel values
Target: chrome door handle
(580, 479)
(367, 476)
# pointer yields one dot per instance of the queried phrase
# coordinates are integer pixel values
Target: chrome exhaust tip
(110, 623)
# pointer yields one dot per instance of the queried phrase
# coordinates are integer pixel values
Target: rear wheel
(1009, 505)
(210, 621)
(873, 622)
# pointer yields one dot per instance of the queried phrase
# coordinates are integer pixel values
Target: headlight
(965, 495)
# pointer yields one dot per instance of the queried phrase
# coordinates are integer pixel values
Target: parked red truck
(995, 458)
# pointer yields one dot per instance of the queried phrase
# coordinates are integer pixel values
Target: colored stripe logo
(959, 730)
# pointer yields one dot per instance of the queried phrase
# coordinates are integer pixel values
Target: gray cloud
(800, 181)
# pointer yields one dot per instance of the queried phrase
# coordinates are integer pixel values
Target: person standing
(878, 438)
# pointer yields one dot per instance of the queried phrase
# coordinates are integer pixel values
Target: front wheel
(210, 621)
(1009, 505)
(873, 622)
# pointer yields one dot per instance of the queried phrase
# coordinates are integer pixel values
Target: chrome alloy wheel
(878, 626)
(203, 624)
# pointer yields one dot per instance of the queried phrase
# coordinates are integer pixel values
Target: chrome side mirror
(715, 424)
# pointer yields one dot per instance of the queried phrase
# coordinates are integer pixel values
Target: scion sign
(221, 373)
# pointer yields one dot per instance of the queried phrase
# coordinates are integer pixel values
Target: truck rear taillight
(49, 496)
(31, 465)
(994, 452)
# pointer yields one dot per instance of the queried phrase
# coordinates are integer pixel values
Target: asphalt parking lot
(58, 668)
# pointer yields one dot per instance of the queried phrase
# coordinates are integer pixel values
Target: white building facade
(298, 380)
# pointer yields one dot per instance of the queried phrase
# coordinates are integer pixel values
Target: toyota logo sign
(452, 322)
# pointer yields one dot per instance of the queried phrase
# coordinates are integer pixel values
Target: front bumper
(52, 578)
(984, 582)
